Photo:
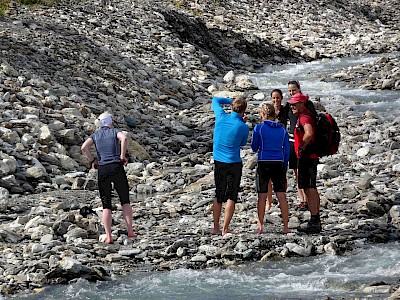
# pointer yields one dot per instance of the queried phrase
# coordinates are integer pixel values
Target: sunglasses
(294, 82)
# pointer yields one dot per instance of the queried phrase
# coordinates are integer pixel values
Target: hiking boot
(310, 228)
(313, 226)
(303, 206)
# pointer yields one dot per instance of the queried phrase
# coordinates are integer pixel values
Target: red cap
(298, 98)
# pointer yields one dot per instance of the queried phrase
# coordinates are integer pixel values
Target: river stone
(37, 233)
(209, 250)
(396, 168)
(297, 249)
(380, 289)
(47, 238)
(365, 182)
(395, 213)
(229, 77)
(240, 247)
(331, 248)
(199, 259)
(10, 236)
(36, 248)
(369, 207)
(272, 255)
(76, 233)
(73, 266)
(363, 151)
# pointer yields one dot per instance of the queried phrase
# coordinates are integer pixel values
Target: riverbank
(156, 70)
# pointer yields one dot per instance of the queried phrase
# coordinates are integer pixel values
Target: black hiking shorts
(307, 173)
(274, 170)
(227, 180)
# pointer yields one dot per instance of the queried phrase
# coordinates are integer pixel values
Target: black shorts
(227, 181)
(307, 173)
(293, 157)
(113, 173)
(273, 170)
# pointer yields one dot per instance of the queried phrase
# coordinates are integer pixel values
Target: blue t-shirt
(107, 145)
(271, 141)
(230, 132)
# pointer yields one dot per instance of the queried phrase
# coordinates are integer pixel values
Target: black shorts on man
(307, 173)
(274, 170)
(227, 180)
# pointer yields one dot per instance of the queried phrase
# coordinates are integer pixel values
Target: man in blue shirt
(230, 133)
(111, 144)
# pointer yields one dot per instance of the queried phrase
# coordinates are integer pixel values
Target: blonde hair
(239, 105)
(268, 111)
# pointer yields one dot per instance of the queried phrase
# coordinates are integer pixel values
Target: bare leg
(284, 210)
(313, 200)
(302, 195)
(269, 195)
(127, 212)
(217, 208)
(300, 192)
(107, 219)
(229, 210)
(262, 197)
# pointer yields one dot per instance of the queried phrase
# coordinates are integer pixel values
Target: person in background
(294, 88)
(281, 113)
(271, 140)
(111, 144)
(230, 133)
(304, 137)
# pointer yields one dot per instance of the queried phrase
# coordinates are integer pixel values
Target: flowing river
(339, 277)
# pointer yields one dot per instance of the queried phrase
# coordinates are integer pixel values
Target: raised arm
(217, 102)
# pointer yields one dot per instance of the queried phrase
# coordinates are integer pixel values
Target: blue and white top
(271, 140)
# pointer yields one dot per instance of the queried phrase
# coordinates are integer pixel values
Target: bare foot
(108, 241)
(286, 230)
(215, 231)
(259, 230)
(132, 235)
(228, 231)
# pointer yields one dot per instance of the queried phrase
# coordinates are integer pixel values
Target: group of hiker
(277, 148)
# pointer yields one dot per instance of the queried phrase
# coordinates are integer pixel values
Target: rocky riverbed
(155, 65)
(381, 74)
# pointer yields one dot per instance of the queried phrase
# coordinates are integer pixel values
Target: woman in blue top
(271, 141)
(111, 144)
